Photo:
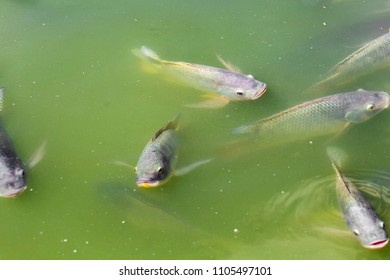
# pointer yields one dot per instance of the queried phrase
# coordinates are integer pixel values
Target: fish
(359, 215)
(221, 86)
(13, 179)
(318, 117)
(372, 56)
(155, 165)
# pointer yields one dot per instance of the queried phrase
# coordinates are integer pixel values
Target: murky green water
(71, 79)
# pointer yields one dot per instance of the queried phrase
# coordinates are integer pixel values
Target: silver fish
(372, 56)
(322, 116)
(12, 169)
(358, 213)
(225, 85)
(154, 166)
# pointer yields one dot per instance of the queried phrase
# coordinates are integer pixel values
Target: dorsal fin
(172, 124)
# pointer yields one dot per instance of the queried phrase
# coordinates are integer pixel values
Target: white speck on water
(123, 222)
(229, 181)
(324, 23)
(236, 230)
(43, 24)
(75, 251)
(220, 190)
(221, 37)
(310, 142)
(136, 20)
(227, 116)
(65, 240)
(324, 7)
(282, 192)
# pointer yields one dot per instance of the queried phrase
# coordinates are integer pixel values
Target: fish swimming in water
(12, 169)
(358, 213)
(154, 166)
(224, 85)
(322, 116)
(373, 56)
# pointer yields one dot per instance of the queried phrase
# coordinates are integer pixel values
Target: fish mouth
(14, 194)
(148, 184)
(261, 91)
(377, 244)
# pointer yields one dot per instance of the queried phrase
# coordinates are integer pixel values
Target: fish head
(372, 235)
(242, 87)
(12, 180)
(366, 105)
(152, 171)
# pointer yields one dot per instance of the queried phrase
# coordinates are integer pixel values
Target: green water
(71, 80)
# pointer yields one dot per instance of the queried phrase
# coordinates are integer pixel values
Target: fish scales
(373, 56)
(318, 117)
(314, 116)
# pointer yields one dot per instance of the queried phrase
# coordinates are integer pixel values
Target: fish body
(318, 117)
(357, 211)
(154, 166)
(228, 85)
(12, 169)
(372, 56)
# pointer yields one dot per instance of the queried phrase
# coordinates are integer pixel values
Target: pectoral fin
(343, 129)
(37, 156)
(228, 65)
(186, 169)
(212, 102)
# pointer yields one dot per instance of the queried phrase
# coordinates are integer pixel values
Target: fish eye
(240, 93)
(370, 107)
(356, 232)
(382, 224)
(160, 171)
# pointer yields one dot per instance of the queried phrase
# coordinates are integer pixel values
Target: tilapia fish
(359, 215)
(322, 116)
(154, 166)
(12, 169)
(372, 56)
(224, 85)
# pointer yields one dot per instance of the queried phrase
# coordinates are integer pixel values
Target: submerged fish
(226, 85)
(372, 56)
(12, 169)
(155, 163)
(322, 116)
(358, 213)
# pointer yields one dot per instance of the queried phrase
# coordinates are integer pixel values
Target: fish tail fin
(151, 62)
(337, 156)
(147, 54)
